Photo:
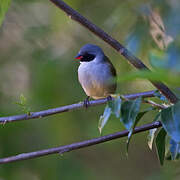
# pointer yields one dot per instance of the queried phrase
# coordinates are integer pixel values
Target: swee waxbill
(96, 73)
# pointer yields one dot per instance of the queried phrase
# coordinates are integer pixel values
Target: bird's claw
(86, 102)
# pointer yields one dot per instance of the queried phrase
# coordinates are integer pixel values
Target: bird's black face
(85, 57)
(89, 52)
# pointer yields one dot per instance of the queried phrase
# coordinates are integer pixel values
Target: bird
(96, 73)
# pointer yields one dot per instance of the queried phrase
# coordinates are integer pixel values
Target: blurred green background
(38, 43)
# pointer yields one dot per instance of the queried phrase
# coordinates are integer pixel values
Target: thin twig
(152, 103)
(62, 109)
(115, 44)
(78, 145)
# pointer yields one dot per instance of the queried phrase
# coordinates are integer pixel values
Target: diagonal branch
(115, 44)
(77, 145)
(62, 109)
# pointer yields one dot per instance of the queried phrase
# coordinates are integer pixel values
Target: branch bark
(115, 44)
(77, 145)
(62, 109)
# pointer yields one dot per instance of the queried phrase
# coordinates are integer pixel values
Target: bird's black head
(89, 52)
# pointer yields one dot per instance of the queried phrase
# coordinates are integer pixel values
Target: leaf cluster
(167, 139)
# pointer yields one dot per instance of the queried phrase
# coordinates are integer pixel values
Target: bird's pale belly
(96, 84)
(95, 90)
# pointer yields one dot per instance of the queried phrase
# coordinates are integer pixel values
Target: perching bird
(96, 73)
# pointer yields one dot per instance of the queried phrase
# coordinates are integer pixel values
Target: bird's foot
(86, 102)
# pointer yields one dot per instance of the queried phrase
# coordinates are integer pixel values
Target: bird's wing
(113, 70)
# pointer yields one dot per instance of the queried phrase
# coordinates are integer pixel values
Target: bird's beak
(79, 56)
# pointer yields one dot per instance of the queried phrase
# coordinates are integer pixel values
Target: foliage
(152, 132)
(151, 137)
(24, 105)
(130, 115)
(104, 118)
(160, 144)
(138, 118)
(174, 149)
(4, 5)
(170, 118)
(112, 107)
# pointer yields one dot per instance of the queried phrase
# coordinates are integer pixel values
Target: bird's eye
(87, 57)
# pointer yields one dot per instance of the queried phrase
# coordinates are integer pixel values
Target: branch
(78, 145)
(115, 44)
(152, 103)
(62, 109)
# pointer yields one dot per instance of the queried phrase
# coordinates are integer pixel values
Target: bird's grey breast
(96, 78)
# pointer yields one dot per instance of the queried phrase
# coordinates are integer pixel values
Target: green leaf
(4, 5)
(141, 114)
(104, 118)
(160, 145)
(151, 134)
(170, 118)
(112, 107)
(115, 106)
(23, 100)
(151, 137)
(138, 117)
(174, 149)
(23, 104)
(129, 111)
(129, 118)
